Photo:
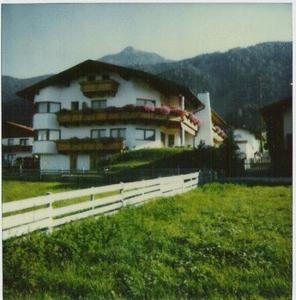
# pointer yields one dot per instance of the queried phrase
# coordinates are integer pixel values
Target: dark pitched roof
(276, 107)
(12, 129)
(217, 119)
(92, 66)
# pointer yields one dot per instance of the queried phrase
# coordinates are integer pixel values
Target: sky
(40, 39)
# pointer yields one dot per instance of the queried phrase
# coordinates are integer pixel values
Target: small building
(94, 109)
(212, 129)
(17, 141)
(278, 119)
(249, 145)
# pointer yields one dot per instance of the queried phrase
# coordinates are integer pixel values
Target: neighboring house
(278, 119)
(249, 145)
(94, 109)
(17, 142)
(211, 131)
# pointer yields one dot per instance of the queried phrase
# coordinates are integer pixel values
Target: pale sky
(39, 39)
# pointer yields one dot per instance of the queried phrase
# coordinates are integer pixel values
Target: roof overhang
(64, 78)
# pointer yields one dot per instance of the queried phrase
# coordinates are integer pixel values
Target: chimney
(205, 134)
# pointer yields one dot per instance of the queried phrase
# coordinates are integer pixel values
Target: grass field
(17, 190)
(216, 242)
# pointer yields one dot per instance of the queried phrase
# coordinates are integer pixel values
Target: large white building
(94, 109)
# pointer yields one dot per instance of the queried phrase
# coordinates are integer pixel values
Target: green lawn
(17, 190)
(216, 242)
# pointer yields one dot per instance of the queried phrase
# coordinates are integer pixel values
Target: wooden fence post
(50, 214)
(122, 194)
(92, 198)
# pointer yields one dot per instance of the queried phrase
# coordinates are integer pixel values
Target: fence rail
(46, 212)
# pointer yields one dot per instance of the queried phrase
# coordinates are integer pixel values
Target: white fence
(45, 212)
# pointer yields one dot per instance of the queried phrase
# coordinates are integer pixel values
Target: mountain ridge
(240, 80)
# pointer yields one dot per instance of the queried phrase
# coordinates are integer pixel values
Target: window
(74, 105)
(145, 134)
(171, 140)
(48, 134)
(24, 142)
(162, 136)
(10, 142)
(143, 102)
(42, 107)
(48, 107)
(98, 133)
(117, 133)
(94, 160)
(10, 157)
(53, 135)
(99, 104)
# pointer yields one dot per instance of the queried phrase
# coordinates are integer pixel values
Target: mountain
(240, 81)
(129, 57)
(15, 108)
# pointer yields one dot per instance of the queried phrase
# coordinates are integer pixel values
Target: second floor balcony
(162, 116)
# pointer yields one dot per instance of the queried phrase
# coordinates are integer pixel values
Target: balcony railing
(16, 148)
(126, 115)
(99, 88)
(90, 145)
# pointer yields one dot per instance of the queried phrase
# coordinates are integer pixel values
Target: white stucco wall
(54, 162)
(205, 133)
(128, 92)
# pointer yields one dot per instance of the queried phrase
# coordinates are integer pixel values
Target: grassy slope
(16, 190)
(219, 241)
(120, 163)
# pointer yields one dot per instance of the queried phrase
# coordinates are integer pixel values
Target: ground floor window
(162, 136)
(73, 162)
(118, 133)
(171, 140)
(145, 134)
(94, 161)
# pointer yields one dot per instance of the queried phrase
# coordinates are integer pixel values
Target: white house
(249, 145)
(211, 131)
(94, 109)
(17, 141)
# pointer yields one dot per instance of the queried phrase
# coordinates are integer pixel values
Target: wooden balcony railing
(90, 145)
(16, 148)
(84, 118)
(99, 88)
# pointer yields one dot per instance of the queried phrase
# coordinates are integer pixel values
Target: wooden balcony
(90, 145)
(122, 117)
(16, 148)
(99, 88)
